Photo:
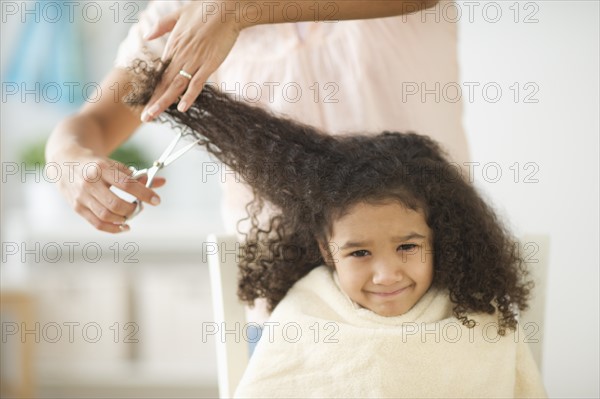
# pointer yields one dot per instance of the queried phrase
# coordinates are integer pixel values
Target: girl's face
(383, 256)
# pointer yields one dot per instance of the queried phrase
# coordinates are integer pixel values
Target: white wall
(559, 133)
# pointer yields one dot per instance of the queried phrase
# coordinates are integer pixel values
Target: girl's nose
(387, 272)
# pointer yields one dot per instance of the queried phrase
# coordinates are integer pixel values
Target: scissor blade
(152, 172)
(180, 152)
(167, 152)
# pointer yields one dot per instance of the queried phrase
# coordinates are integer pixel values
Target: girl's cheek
(361, 275)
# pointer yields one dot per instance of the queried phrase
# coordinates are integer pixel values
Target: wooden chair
(18, 306)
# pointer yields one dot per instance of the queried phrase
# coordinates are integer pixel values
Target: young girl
(387, 274)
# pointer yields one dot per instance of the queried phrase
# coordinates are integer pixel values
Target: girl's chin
(387, 311)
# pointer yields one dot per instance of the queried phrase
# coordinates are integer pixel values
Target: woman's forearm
(249, 12)
(99, 127)
(74, 137)
(202, 33)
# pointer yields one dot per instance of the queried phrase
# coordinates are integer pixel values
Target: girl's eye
(407, 247)
(360, 253)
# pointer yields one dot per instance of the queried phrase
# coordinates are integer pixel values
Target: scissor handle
(136, 174)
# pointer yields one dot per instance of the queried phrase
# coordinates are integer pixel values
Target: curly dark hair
(313, 178)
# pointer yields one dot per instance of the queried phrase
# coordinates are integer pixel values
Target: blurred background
(123, 315)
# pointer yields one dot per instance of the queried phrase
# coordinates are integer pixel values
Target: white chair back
(536, 249)
(229, 312)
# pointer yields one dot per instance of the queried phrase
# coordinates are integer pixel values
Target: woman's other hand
(87, 189)
(79, 144)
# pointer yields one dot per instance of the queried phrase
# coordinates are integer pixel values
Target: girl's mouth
(390, 293)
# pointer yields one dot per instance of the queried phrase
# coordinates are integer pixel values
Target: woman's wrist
(64, 145)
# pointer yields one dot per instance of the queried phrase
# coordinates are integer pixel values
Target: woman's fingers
(95, 213)
(134, 187)
(97, 222)
(114, 208)
(157, 182)
(171, 79)
(169, 93)
(216, 54)
(104, 209)
(193, 89)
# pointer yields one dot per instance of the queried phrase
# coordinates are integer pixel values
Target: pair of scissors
(165, 159)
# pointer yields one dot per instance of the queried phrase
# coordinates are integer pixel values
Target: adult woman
(359, 74)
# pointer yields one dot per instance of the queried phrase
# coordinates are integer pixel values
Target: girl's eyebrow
(409, 236)
(355, 244)
(351, 244)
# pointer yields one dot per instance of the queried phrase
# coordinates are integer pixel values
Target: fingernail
(149, 113)
(181, 106)
(145, 116)
(124, 227)
(155, 200)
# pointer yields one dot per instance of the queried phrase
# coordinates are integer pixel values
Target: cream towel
(318, 343)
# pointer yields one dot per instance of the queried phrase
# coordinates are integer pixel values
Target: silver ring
(185, 74)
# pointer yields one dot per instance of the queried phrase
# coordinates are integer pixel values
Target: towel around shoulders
(318, 343)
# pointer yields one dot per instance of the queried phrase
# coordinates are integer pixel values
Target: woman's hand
(199, 42)
(87, 189)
